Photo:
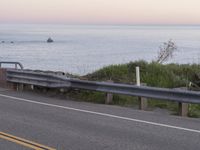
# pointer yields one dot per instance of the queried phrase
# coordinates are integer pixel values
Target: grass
(153, 74)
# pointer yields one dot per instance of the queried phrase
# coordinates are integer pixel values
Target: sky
(100, 11)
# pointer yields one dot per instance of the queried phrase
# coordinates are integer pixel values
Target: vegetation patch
(152, 74)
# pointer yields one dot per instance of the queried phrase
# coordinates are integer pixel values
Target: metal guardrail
(14, 63)
(36, 78)
(58, 81)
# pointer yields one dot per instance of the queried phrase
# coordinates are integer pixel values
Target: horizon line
(98, 24)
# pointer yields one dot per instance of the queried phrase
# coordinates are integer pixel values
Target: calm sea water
(83, 49)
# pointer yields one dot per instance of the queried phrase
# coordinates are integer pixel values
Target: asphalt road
(69, 125)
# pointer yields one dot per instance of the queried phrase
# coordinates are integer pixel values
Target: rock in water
(49, 40)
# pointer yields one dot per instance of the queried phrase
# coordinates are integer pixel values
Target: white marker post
(142, 101)
(138, 76)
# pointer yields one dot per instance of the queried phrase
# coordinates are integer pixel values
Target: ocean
(81, 49)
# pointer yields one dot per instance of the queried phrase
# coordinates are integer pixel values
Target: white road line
(101, 114)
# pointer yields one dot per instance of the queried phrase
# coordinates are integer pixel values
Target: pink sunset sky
(100, 11)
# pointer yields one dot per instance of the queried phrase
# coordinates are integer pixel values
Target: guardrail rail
(57, 81)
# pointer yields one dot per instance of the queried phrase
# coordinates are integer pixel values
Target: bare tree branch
(166, 51)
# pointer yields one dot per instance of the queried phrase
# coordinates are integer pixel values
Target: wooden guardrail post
(183, 109)
(109, 96)
(143, 103)
(20, 87)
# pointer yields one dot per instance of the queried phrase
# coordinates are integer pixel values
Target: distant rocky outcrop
(49, 40)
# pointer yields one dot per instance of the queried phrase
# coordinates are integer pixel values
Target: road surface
(32, 121)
